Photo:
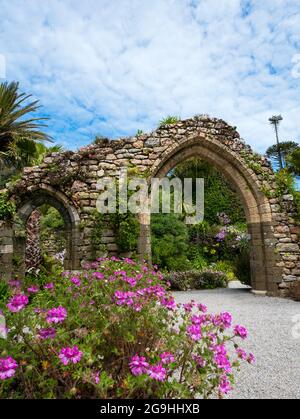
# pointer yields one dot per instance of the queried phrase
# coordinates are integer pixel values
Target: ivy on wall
(7, 207)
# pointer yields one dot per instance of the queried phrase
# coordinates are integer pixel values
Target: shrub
(206, 279)
(241, 267)
(114, 331)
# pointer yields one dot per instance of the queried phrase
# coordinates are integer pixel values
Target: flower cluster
(139, 366)
(17, 303)
(70, 355)
(56, 315)
(123, 336)
(8, 367)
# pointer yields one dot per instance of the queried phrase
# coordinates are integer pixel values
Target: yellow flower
(213, 252)
(45, 365)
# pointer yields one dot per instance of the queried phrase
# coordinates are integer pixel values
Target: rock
(288, 247)
(152, 142)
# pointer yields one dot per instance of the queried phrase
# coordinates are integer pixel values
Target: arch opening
(36, 210)
(264, 274)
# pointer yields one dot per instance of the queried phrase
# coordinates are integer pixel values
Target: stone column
(144, 242)
(6, 251)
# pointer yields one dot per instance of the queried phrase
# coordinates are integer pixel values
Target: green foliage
(4, 292)
(96, 235)
(169, 120)
(294, 161)
(219, 195)
(139, 132)
(7, 207)
(285, 148)
(109, 318)
(241, 266)
(169, 242)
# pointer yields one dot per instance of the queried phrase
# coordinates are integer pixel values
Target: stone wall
(72, 177)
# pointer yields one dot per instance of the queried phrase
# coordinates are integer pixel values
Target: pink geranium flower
(194, 331)
(49, 286)
(49, 333)
(167, 358)
(241, 332)
(17, 303)
(157, 372)
(225, 386)
(76, 281)
(33, 289)
(68, 355)
(138, 365)
(8, 367)
(56, 315)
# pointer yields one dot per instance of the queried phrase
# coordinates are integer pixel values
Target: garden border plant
(114, 331)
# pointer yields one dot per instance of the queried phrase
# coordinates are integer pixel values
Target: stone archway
(31, 201)
(264, 272)
(69, 181)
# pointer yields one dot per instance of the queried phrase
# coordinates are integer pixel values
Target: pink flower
(157, 372)
(221, 358)
(202, 308)
(49, 286)
(188, 307)
(199, 361)
(56, 315)
(169, 303)
(224, 385)
(241, 332)
(226, 319)
(98, 275)
(14, 283)
(49, 333)
(198, 320)
(124, 298)
(96, 377)
(251, 359)
(8, 367)
(68, 355)
(194, 332)
(167, 358)
(241, 354)
(76, 281)
(138, 365)
(33, 289)
(17, 303)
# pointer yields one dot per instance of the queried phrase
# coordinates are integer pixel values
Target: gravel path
(276, 374)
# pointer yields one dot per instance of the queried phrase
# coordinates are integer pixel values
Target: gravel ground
(276, 374)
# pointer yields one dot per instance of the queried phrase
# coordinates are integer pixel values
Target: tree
(18, 134)
(275, 121)
(283, 149)
(294, 161)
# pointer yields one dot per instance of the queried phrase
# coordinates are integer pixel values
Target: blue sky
(111, 67)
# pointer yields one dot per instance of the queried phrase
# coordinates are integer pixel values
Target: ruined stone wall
(271, 220)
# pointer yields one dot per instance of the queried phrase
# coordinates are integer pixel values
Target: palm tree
(18, 135)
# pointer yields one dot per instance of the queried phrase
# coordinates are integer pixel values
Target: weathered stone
(152, 142)
(287, 248)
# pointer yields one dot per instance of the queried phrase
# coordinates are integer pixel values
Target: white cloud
(112, 66)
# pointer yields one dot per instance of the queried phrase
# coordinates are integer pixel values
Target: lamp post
(275, 121)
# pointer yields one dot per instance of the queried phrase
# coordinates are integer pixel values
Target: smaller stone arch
(45, 194)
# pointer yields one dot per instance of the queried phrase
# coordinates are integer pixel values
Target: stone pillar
(144, 242)
(6, 251)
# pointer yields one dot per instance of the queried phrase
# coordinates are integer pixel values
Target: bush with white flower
(114, 331)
